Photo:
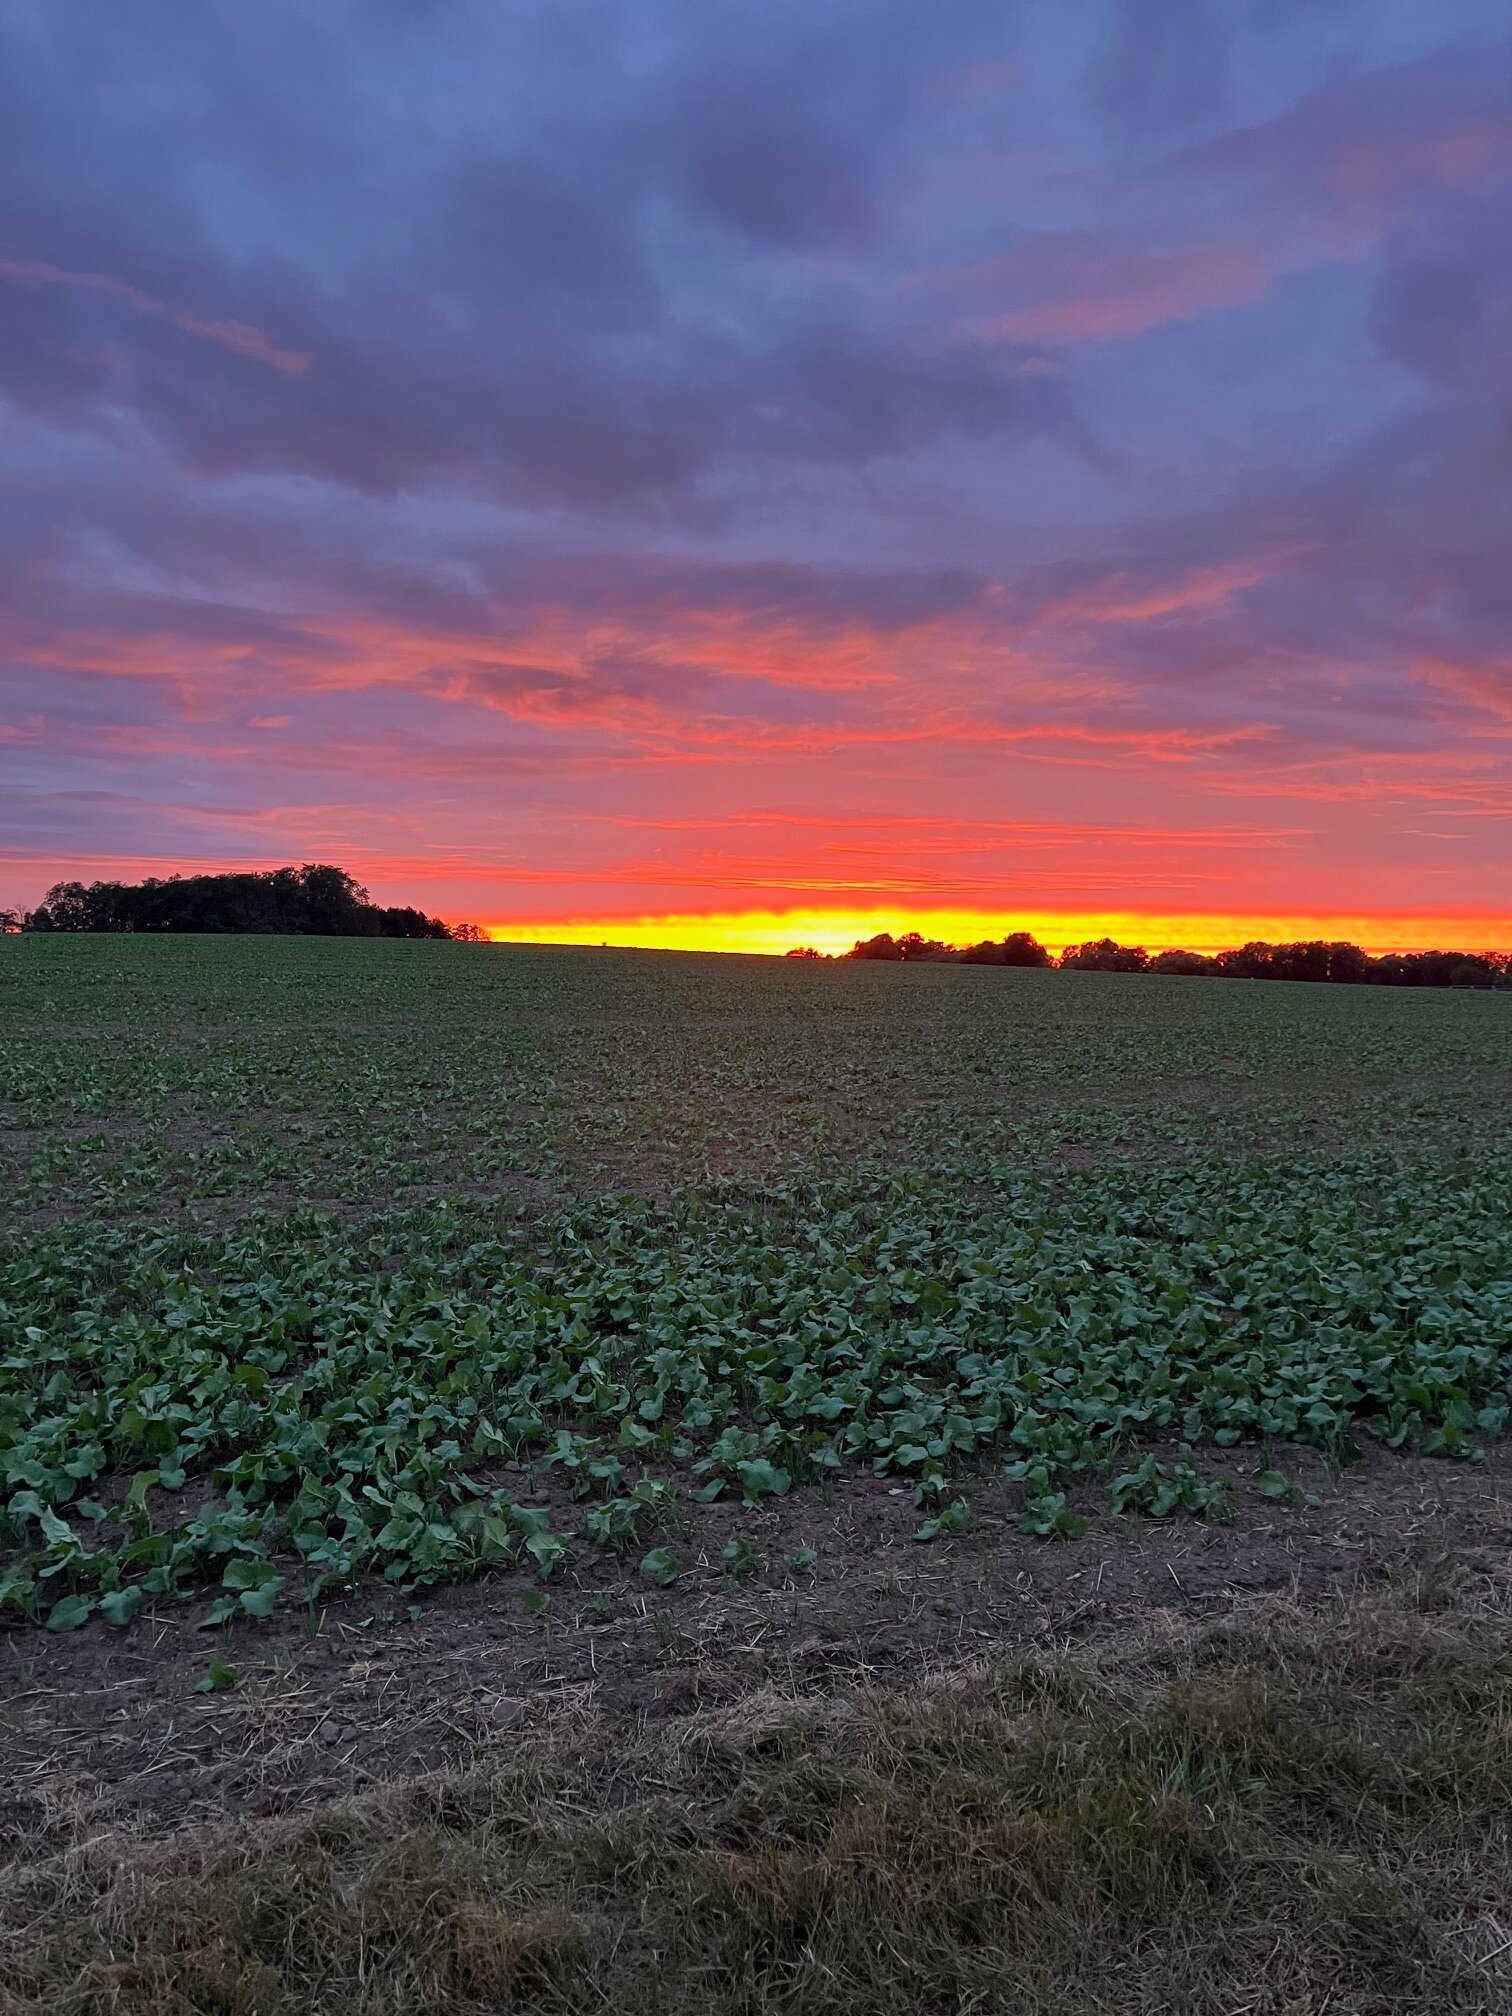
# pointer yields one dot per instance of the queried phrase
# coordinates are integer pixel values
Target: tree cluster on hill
(1313, 960)
(1017, 949)
(315, 900)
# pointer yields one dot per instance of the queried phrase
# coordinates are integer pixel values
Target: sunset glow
(764, 931)
(730, 482)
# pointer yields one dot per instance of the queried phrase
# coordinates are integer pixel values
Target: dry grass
(1286, 1812)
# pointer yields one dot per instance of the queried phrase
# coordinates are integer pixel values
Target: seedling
(739, 1557)
(956, 1518)
(661, 1566)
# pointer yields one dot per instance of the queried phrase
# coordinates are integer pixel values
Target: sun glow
(836, 931)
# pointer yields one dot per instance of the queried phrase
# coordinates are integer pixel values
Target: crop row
(284, 1408)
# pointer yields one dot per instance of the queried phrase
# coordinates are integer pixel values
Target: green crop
(313, 1250)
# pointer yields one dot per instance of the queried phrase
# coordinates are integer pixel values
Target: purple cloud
(432, 419)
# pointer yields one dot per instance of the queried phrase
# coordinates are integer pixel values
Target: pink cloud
(1120, 598)
(1363, 157)
(238, 337)
(1087, 286)
(1362, 150)
(1488, 688)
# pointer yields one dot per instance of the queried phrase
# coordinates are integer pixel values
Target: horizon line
(774, 933)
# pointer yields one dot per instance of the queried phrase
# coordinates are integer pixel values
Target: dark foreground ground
(1257, 1767)
(1128, 1783)
(115, 1725)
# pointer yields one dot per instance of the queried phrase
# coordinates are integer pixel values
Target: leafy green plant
(954, 1518)
(1046, 1515)
(119, 1606)
(1158, 1489)
(69, 1612)
(661, 1566)
(616, 1524)
(739, 1557)
(253, 1584)
(1277, 1485)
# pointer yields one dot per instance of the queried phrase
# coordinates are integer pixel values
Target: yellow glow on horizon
(836, 931)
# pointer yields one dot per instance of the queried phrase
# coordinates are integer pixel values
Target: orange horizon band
(837, 931)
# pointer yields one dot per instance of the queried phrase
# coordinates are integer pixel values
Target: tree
(1017, 949)
(315, 899)
(1248, 962)
(915, 946)
(803, 952)
(1190, 964)
(469, 934)
(1471, 972)
(1105, 955)
(69, 906)
(331, 902)
(883, 946)
(400, 921)
(1347, 965)
(1313, 959)
(1022, 948)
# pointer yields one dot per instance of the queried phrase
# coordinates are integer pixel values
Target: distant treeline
(1313, 960)
(315, 900)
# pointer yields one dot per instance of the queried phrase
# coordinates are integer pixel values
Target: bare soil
(383, 1684)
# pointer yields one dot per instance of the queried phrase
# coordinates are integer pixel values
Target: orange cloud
(1487, 687)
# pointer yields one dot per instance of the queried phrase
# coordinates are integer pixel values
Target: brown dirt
(111, 1723)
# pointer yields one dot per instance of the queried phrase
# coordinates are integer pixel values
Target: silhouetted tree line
(1313, 960)
(1017, 949)
(315, 900)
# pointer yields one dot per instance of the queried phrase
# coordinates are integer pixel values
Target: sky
(749, 472)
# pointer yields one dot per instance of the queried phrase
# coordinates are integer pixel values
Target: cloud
(445, 433)
(1367, 147)
(1124, 598)
(1164, 67)
(540, 309)
(240, 338)
(788, 127)
(1087, 286)
(1487, 687)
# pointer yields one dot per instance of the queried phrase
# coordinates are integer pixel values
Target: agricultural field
(394, 1334)
(315, 1252)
